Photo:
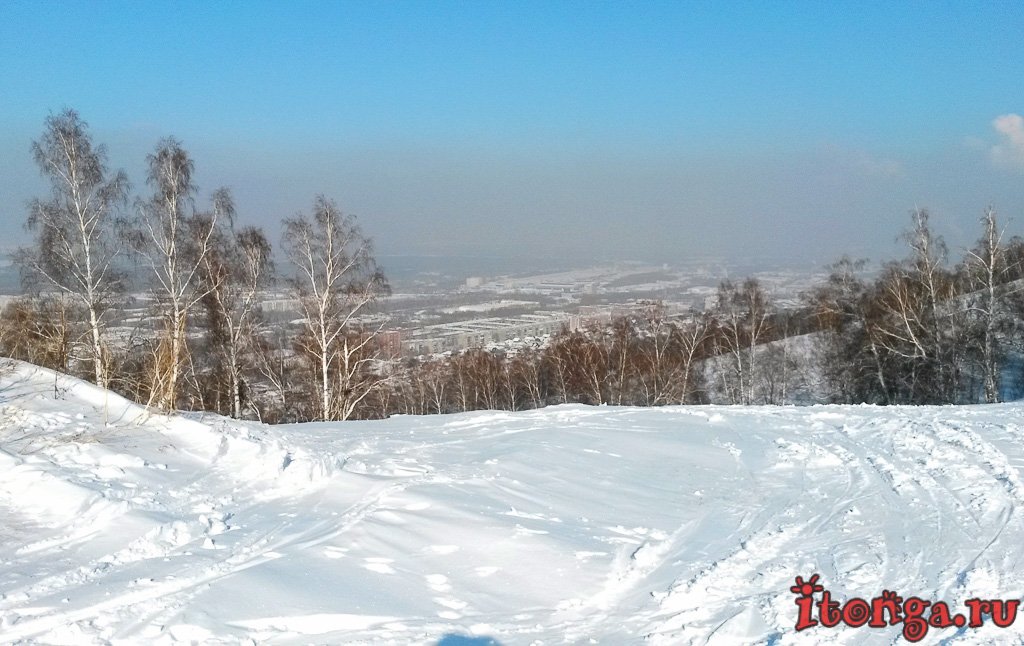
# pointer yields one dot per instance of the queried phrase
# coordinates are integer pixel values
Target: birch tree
(691, 346)
(75, 251)
(742, 313)
(987, 270)
(921, 323)
(853, 358)
(174, 243)
(336, 281)
(233, 273)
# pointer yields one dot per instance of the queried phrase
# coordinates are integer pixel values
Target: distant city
(430, 315)
(442, 304)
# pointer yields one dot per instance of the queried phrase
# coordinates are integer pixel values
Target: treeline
(918, 331)
(735, 353)
(922, 332)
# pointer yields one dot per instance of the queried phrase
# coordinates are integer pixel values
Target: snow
(570, 524)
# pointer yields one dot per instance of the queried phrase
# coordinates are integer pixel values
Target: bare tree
(620, 357)
(274, 363)
(478, 379)
(337, 281)
(653, 360)
(174, 244)
(462, 384)
(920, 324)
(928, 256)
(693, 339)
(906, 328)
(233, 272)
(75, 252)
(414, 389)
(512, 381)
(742, 313)
(780, 371)
(906, 337)
(558, 361)
(37, 330)
(851, 352)
(436, 376)
(587, 360)
(656, 368)
(528, 365)
(988, 269)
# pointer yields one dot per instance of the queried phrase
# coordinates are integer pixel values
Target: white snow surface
(570, 524)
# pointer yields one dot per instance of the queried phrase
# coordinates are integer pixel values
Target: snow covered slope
(565, 525)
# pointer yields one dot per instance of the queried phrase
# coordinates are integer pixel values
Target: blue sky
(613, 128)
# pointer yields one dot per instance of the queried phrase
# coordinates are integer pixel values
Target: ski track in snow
(566, 525)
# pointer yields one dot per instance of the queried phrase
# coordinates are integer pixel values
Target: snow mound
(571, 524)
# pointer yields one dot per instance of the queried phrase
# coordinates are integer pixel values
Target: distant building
(390, 342)
(280, 305)
(445, 337)
(601, 314)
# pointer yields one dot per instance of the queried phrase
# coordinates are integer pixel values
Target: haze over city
(654, 131)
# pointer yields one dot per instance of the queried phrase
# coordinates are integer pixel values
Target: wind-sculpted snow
(570, 524)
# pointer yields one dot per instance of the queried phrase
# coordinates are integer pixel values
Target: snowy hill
(565, 525)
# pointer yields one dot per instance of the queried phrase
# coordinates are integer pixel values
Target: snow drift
(570, 524)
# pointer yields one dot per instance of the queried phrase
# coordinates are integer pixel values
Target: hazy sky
(617, 129)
